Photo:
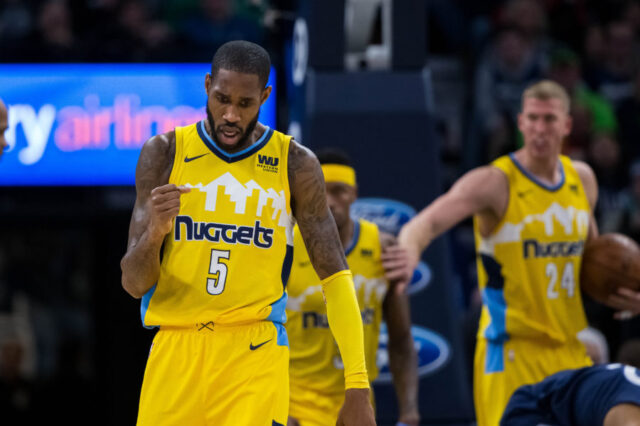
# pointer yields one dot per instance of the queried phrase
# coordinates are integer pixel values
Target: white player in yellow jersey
(532, 216)
(315, 369)
(210, 249)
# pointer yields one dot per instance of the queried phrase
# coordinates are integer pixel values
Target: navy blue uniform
(574, 397)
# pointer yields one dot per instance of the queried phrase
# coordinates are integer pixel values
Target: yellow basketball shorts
(216, 375)
(313, 408)
(499, 369)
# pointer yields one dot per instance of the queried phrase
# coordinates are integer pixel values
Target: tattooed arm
(309, 205)
(320, 235)
(157, 203)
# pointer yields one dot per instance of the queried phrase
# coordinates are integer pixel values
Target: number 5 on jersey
(216, 284)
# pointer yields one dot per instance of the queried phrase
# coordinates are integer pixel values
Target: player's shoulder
(300, 155)
(160, 145)
(588, 179)
(492, 171)
(303, 168)
(486, 179)
(156, 160)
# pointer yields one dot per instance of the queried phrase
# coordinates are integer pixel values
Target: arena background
(416, 91)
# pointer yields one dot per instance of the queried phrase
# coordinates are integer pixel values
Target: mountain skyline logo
(238, 193)
(569, 219)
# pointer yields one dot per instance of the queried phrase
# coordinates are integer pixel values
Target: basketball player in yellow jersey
(316, 371)
(532, 216)
(210, 247)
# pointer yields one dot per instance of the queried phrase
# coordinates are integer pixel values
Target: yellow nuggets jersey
(528, 275)
(315, 359)
(228, 256)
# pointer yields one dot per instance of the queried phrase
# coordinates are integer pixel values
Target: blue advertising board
(84, 124)
(390, 215)
(432, 350)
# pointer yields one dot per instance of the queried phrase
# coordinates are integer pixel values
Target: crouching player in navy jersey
(607, 394)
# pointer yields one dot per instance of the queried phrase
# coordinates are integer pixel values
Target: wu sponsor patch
(268, 163)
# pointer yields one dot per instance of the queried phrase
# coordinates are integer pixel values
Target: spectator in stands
(529, 17)
(629, 115)
(614, 78)
(149, 39)
(591, 113)
(54, 39)
(15, 21)
(174, 12)
(568, 21)
(605, 158)
(214, 23)
(631, 15)
(593, 53)
(17, 393)
(510, 64)
(629, 223)
(17, 363)
(252, 9)
(129, 32)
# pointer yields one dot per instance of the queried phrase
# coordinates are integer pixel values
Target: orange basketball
(610, 261)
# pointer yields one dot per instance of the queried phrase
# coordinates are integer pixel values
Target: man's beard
(245, 136)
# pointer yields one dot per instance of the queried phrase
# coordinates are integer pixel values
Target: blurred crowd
(46, 324)
(591, 47)
(128, 30)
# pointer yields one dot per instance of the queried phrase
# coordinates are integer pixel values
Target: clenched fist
(165, 205)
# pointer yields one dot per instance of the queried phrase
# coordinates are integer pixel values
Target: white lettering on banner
(36, 128)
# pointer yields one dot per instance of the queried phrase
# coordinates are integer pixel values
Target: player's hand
(411, 258)
(356, 410)
(292, 422)
(627, 302)
(165, 205)
(396, 264)
(410, 418)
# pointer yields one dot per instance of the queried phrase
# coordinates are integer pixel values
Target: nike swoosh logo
(187, 159)
(253, 348)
